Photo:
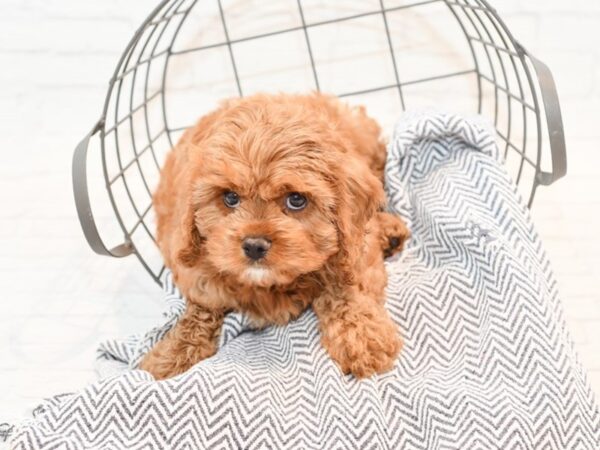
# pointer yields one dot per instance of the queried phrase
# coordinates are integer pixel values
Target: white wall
(59, 299)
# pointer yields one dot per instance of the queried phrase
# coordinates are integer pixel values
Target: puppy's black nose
(256, 247)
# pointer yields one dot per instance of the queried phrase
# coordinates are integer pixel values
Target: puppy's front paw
(159, 365)
(394, 234)
(363, 344)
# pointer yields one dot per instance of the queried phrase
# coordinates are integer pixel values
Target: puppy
(271, 204)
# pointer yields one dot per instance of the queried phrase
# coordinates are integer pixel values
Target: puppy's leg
(193, 339)
(393, 233)
(358, 332)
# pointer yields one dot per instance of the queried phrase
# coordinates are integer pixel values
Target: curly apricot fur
(328, 255)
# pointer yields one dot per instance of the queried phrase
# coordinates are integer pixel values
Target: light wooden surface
(60, 300)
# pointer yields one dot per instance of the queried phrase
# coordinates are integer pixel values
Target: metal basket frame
(478, 15)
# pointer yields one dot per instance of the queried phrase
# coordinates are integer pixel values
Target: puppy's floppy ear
(189, 245)
(188, 241)
(360, 196)
(185, 161)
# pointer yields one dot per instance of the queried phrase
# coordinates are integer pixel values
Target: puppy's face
(274, 190)
(265, 207)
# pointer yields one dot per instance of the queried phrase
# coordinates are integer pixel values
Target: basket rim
(504, 33)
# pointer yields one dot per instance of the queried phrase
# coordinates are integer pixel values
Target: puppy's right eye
(231, 199)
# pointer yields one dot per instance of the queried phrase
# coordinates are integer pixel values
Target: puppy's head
(274, 193)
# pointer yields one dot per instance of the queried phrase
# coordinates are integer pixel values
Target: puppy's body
(230, 188)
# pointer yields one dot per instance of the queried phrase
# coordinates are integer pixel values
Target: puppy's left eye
(231, 199)
(295, 201)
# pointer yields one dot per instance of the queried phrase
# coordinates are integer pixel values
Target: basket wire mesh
(455, 54)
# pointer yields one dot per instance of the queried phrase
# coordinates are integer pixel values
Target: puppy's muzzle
(256, 248)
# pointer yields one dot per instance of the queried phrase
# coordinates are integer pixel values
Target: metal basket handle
(82, 202)
(554, 122)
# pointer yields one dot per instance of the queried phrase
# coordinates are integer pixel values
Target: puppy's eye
(231, 199)
(295, 201)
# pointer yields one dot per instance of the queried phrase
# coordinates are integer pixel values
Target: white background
(59, 299)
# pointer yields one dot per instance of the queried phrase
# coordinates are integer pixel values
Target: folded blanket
(487, 361)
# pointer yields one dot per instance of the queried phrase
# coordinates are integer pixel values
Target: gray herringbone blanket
(487, 362)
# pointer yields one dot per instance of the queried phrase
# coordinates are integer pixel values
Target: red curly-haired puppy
(269, 205)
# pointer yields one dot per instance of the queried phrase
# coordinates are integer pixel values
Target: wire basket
(388, 55)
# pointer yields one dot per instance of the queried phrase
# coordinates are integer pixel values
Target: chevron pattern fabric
(487, 361)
